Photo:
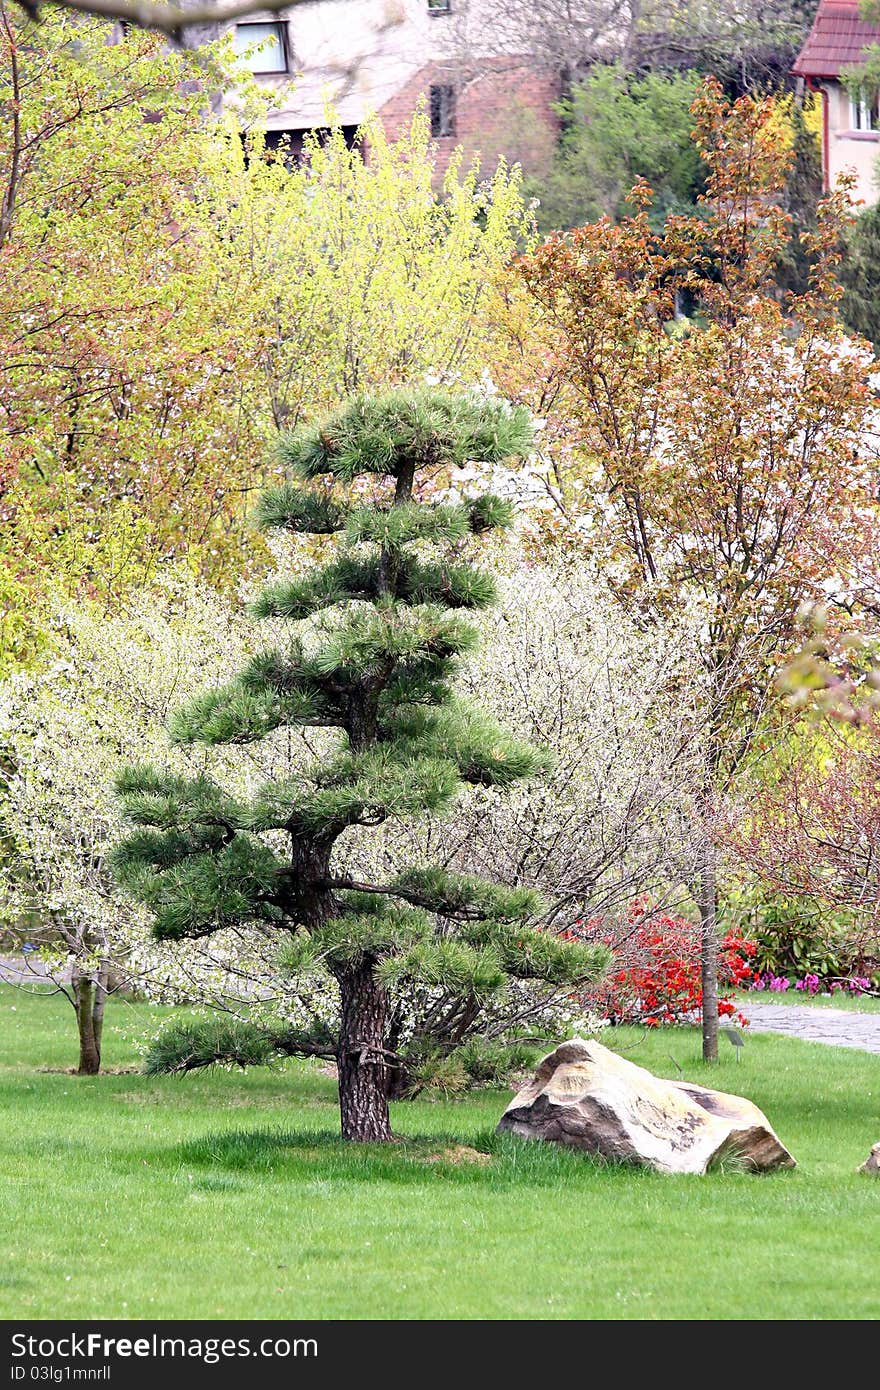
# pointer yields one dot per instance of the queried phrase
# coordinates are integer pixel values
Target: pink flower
(810, 983)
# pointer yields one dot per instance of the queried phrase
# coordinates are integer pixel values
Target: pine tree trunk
(709, 951)
(363, 1102)
(88, 998)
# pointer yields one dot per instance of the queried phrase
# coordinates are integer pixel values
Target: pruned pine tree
(376, 635)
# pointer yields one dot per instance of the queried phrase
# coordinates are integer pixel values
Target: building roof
(836, 41)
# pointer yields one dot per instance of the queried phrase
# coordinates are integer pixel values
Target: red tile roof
(836, 40)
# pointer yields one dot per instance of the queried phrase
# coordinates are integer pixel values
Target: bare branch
(170, 20)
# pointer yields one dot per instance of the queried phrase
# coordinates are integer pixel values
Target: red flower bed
(655, 977)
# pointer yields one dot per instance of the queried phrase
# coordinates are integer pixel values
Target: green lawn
(228, 1196)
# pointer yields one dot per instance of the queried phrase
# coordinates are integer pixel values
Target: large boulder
(587, 1097)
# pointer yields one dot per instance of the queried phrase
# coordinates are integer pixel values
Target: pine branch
(484, 753)
(350, 578)
(292, 508)
(371, 935)
(452, 964)
(528, 953)
(355, 789)
(456, 896)
(203, 892)
(195, 1044)
(395, 526)
(398, 431)
(489, 513)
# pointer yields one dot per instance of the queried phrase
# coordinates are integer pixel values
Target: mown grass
(229, 1195)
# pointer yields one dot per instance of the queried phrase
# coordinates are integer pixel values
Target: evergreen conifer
(377, 666)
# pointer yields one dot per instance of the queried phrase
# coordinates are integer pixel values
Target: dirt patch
(457, 1154)
(105, 1071)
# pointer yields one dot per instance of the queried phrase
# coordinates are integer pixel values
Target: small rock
(585, 1096)
(872, 1162)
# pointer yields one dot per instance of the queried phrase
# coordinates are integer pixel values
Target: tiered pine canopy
(375, 637)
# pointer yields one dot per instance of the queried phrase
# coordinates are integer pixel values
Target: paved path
(15, 970)
(835, 1026)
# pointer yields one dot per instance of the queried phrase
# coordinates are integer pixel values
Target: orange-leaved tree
(716, 429)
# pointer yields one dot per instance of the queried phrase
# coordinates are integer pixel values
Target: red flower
(658, 976)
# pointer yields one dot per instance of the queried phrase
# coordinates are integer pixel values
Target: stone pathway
(837, 1027)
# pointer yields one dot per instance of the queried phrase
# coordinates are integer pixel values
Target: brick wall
(504, 108)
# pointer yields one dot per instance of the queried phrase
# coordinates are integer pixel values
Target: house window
(262, 48)
(292, 146)
(863, 112)
(439, 6)
(442, 111)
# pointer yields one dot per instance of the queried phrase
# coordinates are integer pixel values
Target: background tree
(748, 47)
(375, 663)
(712, 457)
(860, 276)
(809, 833)
(864, 76)
(748, 44)
(801, 194)
(62, 730)
(617, 129)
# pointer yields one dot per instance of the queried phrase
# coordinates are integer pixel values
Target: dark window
(290, 145)
(442, 111)
(262, 48)
(439, 6)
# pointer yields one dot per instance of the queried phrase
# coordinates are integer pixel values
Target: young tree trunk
(88, 998)
(709, 951)
(361, 1060)
(98, 1005)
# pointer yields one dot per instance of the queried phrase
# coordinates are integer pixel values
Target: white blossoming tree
(63, 732)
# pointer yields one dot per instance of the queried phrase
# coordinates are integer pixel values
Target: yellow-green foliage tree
(361, 272)
(172, 293)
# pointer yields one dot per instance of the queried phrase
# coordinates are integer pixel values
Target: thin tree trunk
(88, 997)
(361, 1060)
(708, 905)
(7, 202)
(99, 1002)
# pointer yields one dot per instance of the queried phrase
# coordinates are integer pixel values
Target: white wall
(358, 53)
(856, 151)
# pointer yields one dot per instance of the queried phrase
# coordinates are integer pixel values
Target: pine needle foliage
(376, 636)
(197, 1043)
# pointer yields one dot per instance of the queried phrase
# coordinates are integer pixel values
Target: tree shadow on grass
(488, 1161)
